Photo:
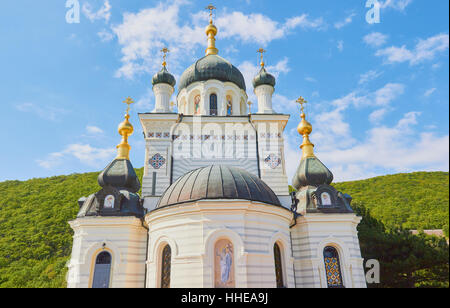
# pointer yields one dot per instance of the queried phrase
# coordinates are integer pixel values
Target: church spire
(305, 129)
(125, 130)
(211, 32)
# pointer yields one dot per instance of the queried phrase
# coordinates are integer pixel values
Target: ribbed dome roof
(120, 174)
(312, 172)
(264, 78)
(212, 67)
(218, 182)
(164, 76)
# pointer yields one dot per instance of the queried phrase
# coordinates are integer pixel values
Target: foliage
(406, 260)
(413, 201)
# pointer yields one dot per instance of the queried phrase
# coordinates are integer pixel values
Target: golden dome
(304, 128)
(125, 128)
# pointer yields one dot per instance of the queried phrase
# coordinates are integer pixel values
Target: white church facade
(215, 210)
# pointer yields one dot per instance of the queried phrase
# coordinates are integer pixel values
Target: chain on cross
(302, 102)
(128, 101)
(262, 51)
(165, 51)
(211, 8)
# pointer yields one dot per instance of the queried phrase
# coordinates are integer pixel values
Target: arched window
(213, 104)
(229, 105)
(333, 267)
(224, 264)
(102, 271)
(166, 261)
(278, 266)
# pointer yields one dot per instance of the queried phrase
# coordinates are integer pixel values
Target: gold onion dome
(125, 129)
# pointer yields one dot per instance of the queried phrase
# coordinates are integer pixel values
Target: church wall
(125, 239)
(312, 234)
(272, 160)
(193, 229)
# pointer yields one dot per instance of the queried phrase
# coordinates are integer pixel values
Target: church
(214, 209)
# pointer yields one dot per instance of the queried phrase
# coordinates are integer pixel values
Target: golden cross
(172, 104)
(165, 51)
(302, 102)
(262, 51)
(128, 101)
(210, 8)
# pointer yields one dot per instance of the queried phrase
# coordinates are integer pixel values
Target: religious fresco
(197, 105)
(224, 265)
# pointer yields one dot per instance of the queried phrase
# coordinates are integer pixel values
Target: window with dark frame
(165, 267)
(102, 271)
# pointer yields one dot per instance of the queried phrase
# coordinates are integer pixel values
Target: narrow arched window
(102, 271)
(333, 268)
(166, 261)
(213, 104)
(278, 266)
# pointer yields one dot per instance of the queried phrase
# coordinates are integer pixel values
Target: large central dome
(218, 182)
(212, 67)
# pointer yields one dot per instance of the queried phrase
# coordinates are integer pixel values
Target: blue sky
(378, 93)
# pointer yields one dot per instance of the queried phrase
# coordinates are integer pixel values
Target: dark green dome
(164, 76)
(218, 183)
(312, 172)
(212, 67)
(263, 78)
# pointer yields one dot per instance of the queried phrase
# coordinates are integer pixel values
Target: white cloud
(340, 46)
(425, 50)
(142, 36)
(103, 13)
(375, 39)
(310, 79)
(84, 153)
(429, 92)
(399, 5)
(105, 36)
(369, 76)
(382, 149)
(44, 112)
(94, 130)
(346, 21)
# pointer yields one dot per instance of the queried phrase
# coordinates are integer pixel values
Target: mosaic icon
(157, 161)
(273, 161)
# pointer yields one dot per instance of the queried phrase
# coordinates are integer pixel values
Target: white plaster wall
(312, 234)
(125, 239)
(192, 230)
(264, 94)
(163, 93)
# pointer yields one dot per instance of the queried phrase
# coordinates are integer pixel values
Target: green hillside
(410, 201)
(36, 240)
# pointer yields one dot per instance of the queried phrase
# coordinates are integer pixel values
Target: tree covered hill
(411, 201)
(36, 240)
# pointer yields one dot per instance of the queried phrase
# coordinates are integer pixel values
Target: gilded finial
(249, 107)
(211, 32)
(262, 51)
(125, 130)
(305, 129)
(172, 105)
(165, 51)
